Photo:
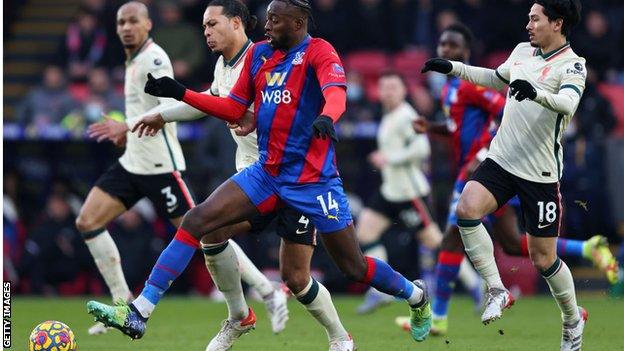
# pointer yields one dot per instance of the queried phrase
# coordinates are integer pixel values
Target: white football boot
(497, 301)
(230, 331)
(572, 335)
(342, 345)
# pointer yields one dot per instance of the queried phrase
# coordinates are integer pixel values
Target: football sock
(561, 285)
(570, 247)
(382, 277)
(249, 272)
(480, 250)
(108, 262)
(222, 263)
(170, 264)
(317, 300)
(446, 272)
(565, 247)
(378, 250)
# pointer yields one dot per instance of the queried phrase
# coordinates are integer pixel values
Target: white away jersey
(225, 76)
(161, 153)
(405, 151)
(528, 141)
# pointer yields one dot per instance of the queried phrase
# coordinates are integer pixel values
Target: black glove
(437, 65)
(323, 127)
(521, 89)
(164, 87)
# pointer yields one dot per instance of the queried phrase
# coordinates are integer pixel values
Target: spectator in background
(359, 109)
(182, 41)
(595, 43)
(54, 252)
(101, 99)
(330, 18)
(399, 23)
(587, 203)
(46, 104)
(594, 119)
(11, 229)
(506, 21)
(84, 45)
(366, 23)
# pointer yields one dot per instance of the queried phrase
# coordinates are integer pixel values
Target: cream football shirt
(161, 153)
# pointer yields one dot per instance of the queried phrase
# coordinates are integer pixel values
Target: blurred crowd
(85, 81)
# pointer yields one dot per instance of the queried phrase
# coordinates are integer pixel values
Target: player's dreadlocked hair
(568, 10)
(465, 32)
(235, 8)
(305, 6)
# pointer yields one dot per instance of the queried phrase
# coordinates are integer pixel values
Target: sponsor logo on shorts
(542, 226)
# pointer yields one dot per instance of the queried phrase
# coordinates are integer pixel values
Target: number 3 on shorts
(550, 214)
(332, 203)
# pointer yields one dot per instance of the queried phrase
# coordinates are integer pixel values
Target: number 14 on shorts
(333, 205)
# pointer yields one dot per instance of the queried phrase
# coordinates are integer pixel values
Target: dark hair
(387, 73)
(462, 29)
(235, 8)
(568, 10)
(304, 6)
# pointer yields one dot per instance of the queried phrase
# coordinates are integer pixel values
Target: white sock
(559, 279)
(416, 299)
(468, 276)
(317, 300)
(222, 263)
(108, 262)
(250, 273)
(144, 307)
(480, 250)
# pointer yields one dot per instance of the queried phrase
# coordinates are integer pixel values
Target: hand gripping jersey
(287, 87)
(471, 109)
(161, 153)
(528, 141)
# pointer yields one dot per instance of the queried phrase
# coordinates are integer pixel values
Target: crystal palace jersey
(286, 90)
(161, 153)
(528, 141)
(471, 109)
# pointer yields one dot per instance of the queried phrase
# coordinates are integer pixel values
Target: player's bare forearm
(226, 109)
(149, 125)
(108, 129)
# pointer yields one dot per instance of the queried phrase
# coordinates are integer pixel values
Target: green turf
(189, 323)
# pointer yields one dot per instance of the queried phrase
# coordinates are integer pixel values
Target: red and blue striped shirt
(287, 91)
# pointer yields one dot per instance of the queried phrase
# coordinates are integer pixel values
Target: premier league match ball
(52, 336)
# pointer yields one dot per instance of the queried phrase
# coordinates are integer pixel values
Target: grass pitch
(189, 323)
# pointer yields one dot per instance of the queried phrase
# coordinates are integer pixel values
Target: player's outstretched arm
(223, 108)
(478, 75)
